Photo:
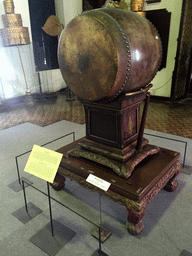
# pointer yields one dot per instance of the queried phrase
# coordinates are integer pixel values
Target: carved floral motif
(161, 183)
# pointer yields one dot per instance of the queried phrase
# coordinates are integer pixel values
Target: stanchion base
(99, 253)
(187, 169)
(185, 253)
(52, 244)
(17, 187)
(105, 233)
(24, 216)
(70, 99)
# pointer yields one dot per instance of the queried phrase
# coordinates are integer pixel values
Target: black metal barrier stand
(185, 150)
(100, 224)
(50, 210)
(101, 253)
(16, 158)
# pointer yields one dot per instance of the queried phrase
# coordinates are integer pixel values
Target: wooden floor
(162, 116)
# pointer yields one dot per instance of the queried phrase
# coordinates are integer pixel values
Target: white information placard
(43, 163)
(96, 181)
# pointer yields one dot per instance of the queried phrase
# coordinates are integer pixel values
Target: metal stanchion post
(50, 208)
(24, 196)
(19, 178)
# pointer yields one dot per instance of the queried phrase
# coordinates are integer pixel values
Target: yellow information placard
(43, 163)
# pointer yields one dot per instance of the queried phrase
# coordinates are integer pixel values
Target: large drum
(106, 52)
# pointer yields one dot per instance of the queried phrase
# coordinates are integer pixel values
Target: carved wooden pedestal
(149, 177)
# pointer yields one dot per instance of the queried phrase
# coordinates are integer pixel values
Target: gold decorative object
(16, 36)
(142, 14)
(52, 26)
(14, 32)
(9, 6)
(116, 4)
(123, 4)
(13, 19)
(152, 1)
(137, 6)
(113, 4)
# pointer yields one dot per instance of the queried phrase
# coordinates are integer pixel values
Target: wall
(163, 80)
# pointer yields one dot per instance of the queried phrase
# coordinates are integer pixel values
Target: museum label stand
(17, 185)
(44, 163)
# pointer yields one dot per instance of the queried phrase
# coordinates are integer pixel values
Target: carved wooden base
(121, 155)
(123, 169)
(134, 220)
(172, 185)
(59, 182)
(135, 228)
(135, 193)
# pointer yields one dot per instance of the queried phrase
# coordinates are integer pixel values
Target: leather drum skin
(106, 52)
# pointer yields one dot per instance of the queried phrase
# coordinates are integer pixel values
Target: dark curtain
(44, 45)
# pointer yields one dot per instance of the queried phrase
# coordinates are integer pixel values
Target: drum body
(105, 52)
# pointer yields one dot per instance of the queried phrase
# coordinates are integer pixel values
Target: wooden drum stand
(114, 150)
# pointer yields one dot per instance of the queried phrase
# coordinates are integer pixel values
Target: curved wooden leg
(134, 223)
(172, 183)
(59, 182)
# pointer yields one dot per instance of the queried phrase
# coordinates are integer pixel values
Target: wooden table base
(157, 172)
